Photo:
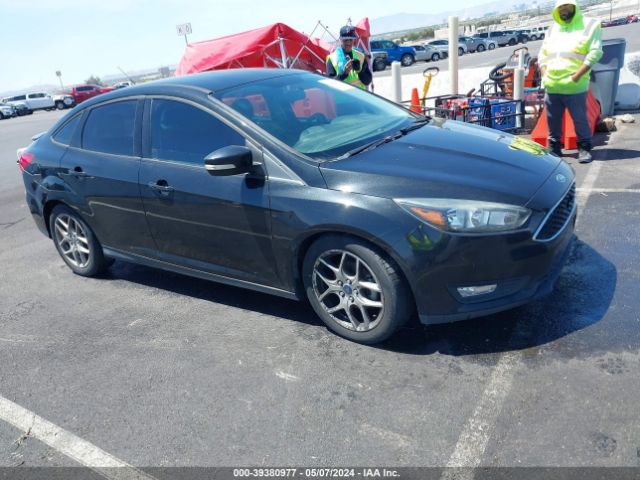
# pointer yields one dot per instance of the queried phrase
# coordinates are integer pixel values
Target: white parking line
(476, 432)
(67, 443)
(608, 190)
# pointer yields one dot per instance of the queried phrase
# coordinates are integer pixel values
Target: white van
(33, 101)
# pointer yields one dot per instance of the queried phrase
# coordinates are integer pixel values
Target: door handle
(79, 173)
(160, 186)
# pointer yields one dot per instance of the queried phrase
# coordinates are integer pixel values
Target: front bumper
(523, 265)
(522, 269)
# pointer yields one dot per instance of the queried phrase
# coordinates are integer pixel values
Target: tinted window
(375, 45)
(109, 129)
(185, 133)
(36, 95)
(65, 134)
(19, 97)
(84, 89)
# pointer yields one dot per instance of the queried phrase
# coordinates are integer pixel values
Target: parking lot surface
(630, 32)
(158, 369)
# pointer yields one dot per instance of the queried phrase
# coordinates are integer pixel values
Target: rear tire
(533, 38)
(407, 60)
(492, 46)
(76, 242)
(356, 290)
(480, 48)
(460, 51)
(512, 42)
(60, 105)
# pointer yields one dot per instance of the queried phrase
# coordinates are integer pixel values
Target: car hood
(447, 159)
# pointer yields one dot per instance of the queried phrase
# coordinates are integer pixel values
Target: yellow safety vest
(352, 78)
(566, 48)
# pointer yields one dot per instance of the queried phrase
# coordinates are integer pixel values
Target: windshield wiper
(370, 145)
(416, 125)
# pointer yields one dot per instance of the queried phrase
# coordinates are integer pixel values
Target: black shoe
(584, 156)
(556, 152)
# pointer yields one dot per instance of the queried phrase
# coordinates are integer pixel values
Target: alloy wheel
(73, 241)
(348, 290)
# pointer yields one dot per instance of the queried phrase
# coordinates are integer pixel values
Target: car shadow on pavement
(214, 292)
(581, 298)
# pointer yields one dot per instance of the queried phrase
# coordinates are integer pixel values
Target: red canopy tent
(274, 46)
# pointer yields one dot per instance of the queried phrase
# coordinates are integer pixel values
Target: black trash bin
(605, 74)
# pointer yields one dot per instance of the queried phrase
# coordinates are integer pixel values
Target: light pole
(610, 9)
(59, 75)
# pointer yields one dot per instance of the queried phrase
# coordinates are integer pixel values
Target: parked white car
(33, 101)
(6, 111)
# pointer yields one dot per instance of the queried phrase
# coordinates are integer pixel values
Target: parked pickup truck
(80, 93)
(395, 53)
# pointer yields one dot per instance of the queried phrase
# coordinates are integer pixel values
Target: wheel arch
(304, 243)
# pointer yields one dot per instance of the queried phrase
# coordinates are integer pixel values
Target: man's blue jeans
(576, 103)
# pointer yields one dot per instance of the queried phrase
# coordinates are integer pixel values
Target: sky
(81, 38)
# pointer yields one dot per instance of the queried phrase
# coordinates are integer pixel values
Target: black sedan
(294, 184)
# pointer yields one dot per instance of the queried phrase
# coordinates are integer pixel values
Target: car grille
(556, 220)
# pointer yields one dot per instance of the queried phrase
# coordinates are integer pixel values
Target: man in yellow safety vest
(571, 47)
(347, 63)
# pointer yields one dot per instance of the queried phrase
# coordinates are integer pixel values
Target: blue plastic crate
(503, 114)
(478, 111)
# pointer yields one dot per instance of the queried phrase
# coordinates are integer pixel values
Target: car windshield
(317, 116)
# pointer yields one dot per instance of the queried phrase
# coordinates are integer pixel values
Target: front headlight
(466, 216)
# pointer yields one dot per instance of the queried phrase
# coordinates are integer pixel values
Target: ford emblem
(561, 178)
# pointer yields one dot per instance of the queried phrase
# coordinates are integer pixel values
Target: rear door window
(65, 134)
(110, 128)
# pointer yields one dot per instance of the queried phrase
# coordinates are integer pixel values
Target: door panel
(102, 176)
(220, 224)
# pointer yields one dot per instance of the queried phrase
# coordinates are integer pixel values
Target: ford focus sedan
(297, 185)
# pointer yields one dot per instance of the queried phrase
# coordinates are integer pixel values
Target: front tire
(356, 290)
(435, 57)
(460, 51)
(76, 242)
(512, 42)
(407, 60)
(492, 46)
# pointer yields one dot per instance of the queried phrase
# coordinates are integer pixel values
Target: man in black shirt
(347, 63)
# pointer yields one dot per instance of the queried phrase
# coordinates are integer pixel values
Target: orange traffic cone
(415, 101)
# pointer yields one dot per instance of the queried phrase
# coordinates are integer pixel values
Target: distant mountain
(408, 21)
(47, 88)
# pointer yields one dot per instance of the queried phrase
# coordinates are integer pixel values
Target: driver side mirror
(231, 160)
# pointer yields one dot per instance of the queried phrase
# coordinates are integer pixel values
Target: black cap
(347, 33)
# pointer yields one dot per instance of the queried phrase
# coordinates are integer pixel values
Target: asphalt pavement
(156, 369)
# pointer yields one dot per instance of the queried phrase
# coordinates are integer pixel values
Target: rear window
(110, 128)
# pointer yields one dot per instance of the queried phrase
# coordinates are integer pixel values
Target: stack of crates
(479, 112)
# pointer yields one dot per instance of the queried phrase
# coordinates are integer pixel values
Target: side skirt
(154, 263)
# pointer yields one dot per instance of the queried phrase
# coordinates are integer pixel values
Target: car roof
(215, 80)
(205, 82)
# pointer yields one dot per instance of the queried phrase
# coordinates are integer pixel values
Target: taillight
(25, 159)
